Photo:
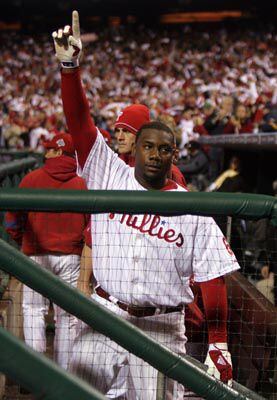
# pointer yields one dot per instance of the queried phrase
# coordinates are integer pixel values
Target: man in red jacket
(53, 240)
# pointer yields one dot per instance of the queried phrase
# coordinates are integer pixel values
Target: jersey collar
(170, 185)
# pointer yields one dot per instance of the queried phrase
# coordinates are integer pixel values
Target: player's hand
(68, 44)
(219, 362)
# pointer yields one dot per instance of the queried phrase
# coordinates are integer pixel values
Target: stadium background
(32, 17)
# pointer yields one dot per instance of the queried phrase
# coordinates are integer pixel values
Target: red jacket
(44, 232)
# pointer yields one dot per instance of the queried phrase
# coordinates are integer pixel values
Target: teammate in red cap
(131, 118)
(53, 240)
(129, 121)
(61, 143)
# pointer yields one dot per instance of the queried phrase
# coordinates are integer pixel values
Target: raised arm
(68, 47)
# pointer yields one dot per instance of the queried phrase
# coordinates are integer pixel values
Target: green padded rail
(154, 202)
(15, 154)
(17, 166)
(45, 379)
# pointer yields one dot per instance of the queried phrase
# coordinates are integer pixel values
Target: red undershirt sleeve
(79, 121)
(214, 295)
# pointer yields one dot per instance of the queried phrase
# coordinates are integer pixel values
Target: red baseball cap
(61, 141)
(133, 117)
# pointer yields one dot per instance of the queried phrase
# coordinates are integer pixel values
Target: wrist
(70, 64)
(65, 71)
(218, 346)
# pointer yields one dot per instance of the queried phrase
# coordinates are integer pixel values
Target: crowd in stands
(211, 81)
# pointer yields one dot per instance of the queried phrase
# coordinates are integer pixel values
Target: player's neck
(151, 185)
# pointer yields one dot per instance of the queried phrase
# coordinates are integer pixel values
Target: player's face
(125, 140)
(154, 154)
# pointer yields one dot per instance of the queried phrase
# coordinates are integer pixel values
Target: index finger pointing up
(75, 25)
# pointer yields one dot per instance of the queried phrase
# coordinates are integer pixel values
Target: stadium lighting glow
(199, 16)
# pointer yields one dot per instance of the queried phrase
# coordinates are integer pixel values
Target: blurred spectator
(186, 127)
(269, 121)
(268, 278)
(195, 167)
(218, 117)
(266, 286)
(170, 122)
(240, 122)
(250, 243)
(230, 180)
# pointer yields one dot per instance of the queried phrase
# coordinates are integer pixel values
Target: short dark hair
(157, 125)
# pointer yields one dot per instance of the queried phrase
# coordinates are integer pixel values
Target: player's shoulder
(181, 188)
(173, 186)
(79, 183)
(79, 179)
(32, 176)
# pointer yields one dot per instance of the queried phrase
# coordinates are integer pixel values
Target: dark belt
(137, 311)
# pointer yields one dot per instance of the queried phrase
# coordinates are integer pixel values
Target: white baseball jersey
(148, 259)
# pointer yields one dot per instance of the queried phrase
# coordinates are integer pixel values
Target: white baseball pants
(35, 307)
(119, 374)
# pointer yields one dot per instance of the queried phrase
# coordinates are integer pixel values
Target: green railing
(13, 154)
(122, 332)
(39, 374)
(125, 334)
(138, 202)
(12, 172)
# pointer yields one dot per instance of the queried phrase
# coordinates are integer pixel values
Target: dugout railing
(248, 206)
(26, 372)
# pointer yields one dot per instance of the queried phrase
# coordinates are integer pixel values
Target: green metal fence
(12, 172)
(119, 330)
(13, 154)
(39, 374)
(153, 202)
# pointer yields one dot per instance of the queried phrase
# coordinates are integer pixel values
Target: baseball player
(53, 240)
(126, 126)
(142, 263)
